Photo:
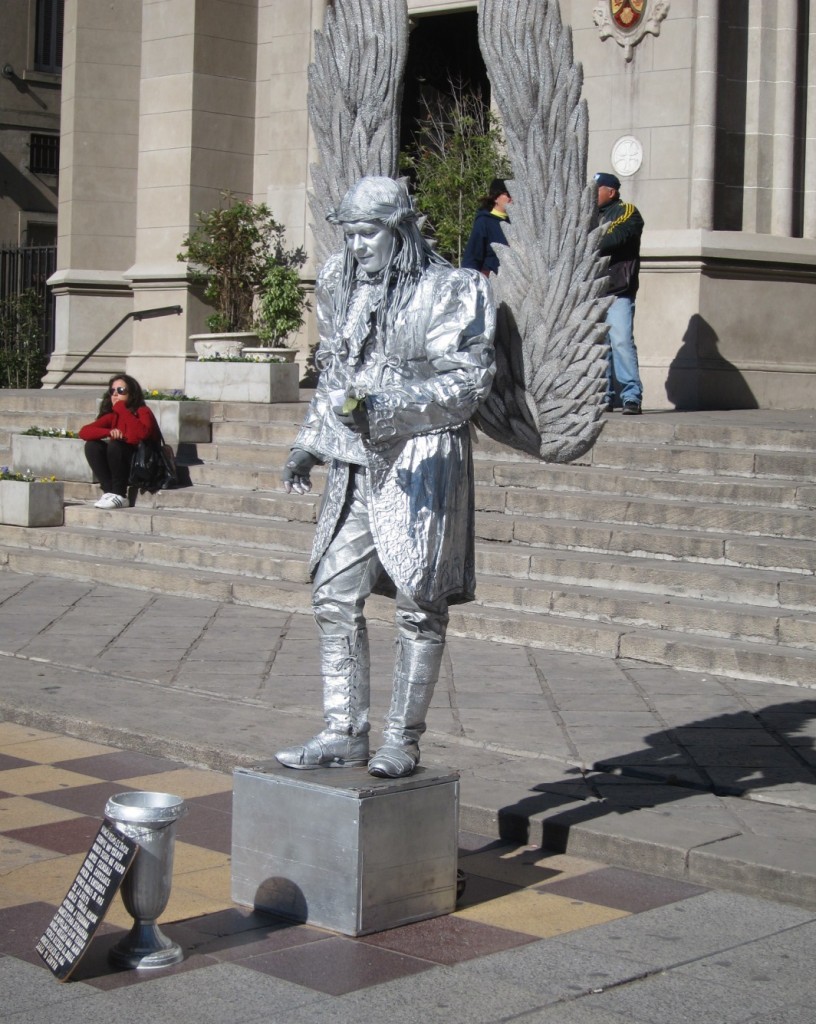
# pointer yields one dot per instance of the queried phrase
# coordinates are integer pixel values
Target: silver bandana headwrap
(375, 199)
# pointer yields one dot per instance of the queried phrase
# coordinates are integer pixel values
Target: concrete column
(784, 118)
(704, 125)
(810, 130)
(285, 49)
(196, 140)
(755, 199)
(97, 208)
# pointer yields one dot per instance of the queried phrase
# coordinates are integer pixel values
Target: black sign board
(71, 929)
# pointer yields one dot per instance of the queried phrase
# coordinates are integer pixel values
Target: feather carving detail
(550, 387)
(355, 88)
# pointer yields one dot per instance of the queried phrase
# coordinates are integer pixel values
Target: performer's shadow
(769, 750)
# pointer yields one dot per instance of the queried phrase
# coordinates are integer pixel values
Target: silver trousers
(349, 569)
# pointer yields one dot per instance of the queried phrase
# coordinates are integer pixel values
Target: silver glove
(296, 472)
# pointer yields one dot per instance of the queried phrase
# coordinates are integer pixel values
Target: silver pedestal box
(343, 850)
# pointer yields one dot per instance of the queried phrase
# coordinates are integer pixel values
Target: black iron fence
(25, 269)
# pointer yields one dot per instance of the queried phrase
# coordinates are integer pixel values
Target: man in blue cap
(621, 243)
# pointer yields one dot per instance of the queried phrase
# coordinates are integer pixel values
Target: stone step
(666, 514)
(642, 542)
(632, 455)
(732, 429)
(678, 540)
(704, 461)
(220, 462)
(515, 537)
(254, 526)
(259, 548)
(260, 434)
(245, 530)
(671, 486)
(259, 468)
(18, 423)
(735, 658)
(36, 400)
(292, 412)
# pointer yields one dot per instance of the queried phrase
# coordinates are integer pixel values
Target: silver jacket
(424, 379)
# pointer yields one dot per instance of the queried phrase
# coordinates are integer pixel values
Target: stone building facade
(30, 80)
(706, 109)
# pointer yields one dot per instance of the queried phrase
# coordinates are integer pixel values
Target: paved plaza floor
(536, 937)
(638, 841)
(705, 779)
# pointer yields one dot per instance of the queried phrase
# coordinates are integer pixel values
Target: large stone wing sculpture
(550, 386)
(355, 89)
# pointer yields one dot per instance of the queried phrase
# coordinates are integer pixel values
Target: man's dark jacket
(621, 242)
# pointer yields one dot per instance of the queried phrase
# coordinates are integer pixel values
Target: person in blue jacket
(488, 227)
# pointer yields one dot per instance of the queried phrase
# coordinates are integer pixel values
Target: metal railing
(27, 268)
(142, 314)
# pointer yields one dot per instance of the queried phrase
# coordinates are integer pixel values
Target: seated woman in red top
(111, 440)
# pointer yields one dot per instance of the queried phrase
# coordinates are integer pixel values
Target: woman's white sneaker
(111, 501)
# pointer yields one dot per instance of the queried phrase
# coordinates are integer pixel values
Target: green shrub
(456, 153)
(22, 360)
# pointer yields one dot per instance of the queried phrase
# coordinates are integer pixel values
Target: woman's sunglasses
(118, 391)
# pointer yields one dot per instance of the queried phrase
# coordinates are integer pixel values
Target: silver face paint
(371, 244)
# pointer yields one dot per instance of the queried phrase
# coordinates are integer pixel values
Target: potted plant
(235, 250)
(281, 305)
(27, 501)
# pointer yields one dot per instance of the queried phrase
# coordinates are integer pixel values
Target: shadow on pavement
(726, 755)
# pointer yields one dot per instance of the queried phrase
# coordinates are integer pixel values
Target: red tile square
(480, 889)
(88, 800)
(447, 940)
(213, 801)
(120, 764)
(7, 762)
(68, 837)
(622, 889)
(208, 828)
(336, 966)
(21, 928)
(94, 969)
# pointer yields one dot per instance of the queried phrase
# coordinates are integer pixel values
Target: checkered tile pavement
(53, 791)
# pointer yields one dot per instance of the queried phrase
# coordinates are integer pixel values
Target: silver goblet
(149, 819)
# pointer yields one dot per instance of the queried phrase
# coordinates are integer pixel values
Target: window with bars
(43, 155)
(48, 36)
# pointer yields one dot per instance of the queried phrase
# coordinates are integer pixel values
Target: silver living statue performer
(405, 358)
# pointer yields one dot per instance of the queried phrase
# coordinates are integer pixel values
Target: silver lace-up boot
(344, 742)
(415, 675)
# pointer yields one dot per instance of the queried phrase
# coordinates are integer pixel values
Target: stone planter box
(286, 355)
(35, 504)
(183, 422)
(242, 382)
(62, 457)
(225, 345)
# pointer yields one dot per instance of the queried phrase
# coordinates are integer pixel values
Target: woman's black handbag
(153, 467)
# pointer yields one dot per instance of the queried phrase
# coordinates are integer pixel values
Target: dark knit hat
(498, 187)
(607, 179)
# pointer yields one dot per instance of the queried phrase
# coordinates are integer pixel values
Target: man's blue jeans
(623, 363)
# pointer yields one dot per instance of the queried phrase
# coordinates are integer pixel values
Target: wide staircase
(681, 539)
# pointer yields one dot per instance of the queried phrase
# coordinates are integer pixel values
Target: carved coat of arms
(628, 21)
(627, 13)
